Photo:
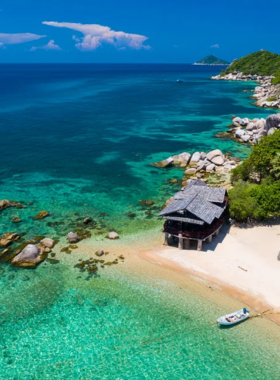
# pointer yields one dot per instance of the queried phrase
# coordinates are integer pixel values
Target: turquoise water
(78, 140)
(58, 325)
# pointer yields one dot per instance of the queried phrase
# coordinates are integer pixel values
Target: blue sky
(179, 31)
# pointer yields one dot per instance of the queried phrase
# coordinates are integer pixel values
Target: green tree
(242, 205)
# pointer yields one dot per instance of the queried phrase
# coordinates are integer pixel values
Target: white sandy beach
(254, 249)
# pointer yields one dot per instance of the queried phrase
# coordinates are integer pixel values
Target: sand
(243, 261)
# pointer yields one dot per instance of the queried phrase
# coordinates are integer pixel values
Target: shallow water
(59, 325)
(78, 140)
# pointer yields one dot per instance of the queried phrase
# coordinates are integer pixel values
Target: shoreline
(226, 275)
(215, 267)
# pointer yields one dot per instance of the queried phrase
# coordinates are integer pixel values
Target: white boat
(234, 318)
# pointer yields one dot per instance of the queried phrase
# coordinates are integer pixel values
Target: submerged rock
(30, 256)
(113, 235)
(41, 215)
(164, 163)
(16, 219)
(87, 220)
(8, 238)
(100, 253)
(146, 202)
(72, 237)
(4, 203)
(48, 243)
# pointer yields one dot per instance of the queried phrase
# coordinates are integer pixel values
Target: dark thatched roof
(198, 200)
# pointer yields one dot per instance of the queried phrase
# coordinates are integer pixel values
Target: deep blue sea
(77, 141)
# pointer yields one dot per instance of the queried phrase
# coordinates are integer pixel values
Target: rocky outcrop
(273, 121)
(29, 257)
(195, 158)
(251, 131)
(216, 157)
(182, 159)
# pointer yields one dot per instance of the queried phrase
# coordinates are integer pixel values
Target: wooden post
(209, 239)
(166, 236)
(181, 242)
(217, 232)
(187, 243)
(199, 245)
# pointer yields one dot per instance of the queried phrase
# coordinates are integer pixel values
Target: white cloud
(75, 38)
(18, 38)
(50, 46)
(95, 35)
(215, 46)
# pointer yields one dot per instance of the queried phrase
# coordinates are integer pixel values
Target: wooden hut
(195, 213)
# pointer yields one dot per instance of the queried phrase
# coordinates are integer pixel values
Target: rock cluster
(199, 163)
(266, 94)
(251, 131)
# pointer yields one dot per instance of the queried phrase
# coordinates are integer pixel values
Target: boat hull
(236, 317)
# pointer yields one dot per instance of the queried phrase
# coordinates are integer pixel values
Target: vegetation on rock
(259, 63)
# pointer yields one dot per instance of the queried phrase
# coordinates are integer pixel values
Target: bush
(272, 98)
(241, 204)
(248, 200)
(276, 80)
(267, 198)
(258, 166)
(254, 201)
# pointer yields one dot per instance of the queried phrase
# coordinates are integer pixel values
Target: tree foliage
(258, 63)
(256, 191)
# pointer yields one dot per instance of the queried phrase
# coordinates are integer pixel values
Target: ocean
(78, 141)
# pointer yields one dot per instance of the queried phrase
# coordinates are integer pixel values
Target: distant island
(211, 60)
